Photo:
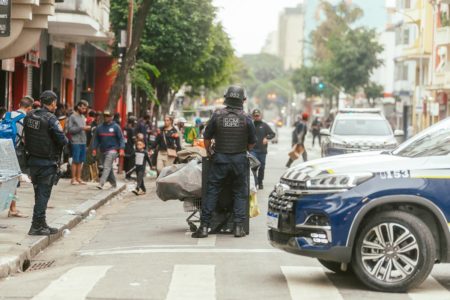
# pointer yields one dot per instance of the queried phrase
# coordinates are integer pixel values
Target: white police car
(384, 214)
(357, 130)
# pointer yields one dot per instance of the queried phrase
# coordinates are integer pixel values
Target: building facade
(291, 38)
(70, 56)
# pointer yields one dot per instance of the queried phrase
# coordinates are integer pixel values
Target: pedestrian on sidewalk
(141, 159)
(234, 135)
(77, 128)
(298, 137)
(263, 135)
(25, 106)
(44, 139)
(130, 133)
(168, 144)
(110, 141)
(316, 126)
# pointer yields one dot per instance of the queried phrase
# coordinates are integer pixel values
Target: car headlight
(337, 181)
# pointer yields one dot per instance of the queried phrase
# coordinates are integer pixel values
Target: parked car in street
(356, 130)
(385, 215)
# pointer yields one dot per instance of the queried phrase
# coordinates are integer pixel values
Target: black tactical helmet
(235, 96)
(47, 97)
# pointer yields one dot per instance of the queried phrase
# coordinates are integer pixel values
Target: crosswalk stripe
(430, 289)
(192, 282)
(309, 283)
(75, 284)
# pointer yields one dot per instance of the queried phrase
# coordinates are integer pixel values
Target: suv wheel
(394, 251)
(334, 266)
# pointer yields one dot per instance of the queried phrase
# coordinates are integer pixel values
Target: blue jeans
(259, 176)
(237, 170)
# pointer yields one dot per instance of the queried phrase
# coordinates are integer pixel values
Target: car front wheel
(394, 252)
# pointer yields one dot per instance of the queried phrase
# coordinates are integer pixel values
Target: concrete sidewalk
(68, 205)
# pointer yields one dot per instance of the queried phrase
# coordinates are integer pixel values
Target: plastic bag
(253, 188)
(254, 208)
(181, 181)
(254, 162)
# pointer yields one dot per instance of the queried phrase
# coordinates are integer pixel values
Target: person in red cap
(298, 137)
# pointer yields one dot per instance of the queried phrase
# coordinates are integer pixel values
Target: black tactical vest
(38, 141)
(231, 131)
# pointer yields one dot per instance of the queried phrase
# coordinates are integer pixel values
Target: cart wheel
(192, 227)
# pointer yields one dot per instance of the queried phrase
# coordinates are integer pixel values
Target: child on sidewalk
(142, 158)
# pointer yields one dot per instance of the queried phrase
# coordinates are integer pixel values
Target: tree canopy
(185, 44)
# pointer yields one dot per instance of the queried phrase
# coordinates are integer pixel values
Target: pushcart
(193, 207)
(222, 219)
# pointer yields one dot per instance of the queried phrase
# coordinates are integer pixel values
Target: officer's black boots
(41, 228)
(239, 230)
(202, 232)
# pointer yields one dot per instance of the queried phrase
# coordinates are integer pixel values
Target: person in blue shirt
(234, 134)
(111, 143)
(44, 139)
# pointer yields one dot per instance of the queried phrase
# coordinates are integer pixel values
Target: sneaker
(140, 193)
(136, 192)
(100, 187)
(260, 186)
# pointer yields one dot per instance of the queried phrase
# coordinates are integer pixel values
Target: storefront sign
(5, 18)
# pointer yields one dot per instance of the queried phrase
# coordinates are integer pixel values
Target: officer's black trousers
(218, 173)
(43, 179)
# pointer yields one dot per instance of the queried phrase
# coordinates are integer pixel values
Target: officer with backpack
(44, 139)
(16, 117)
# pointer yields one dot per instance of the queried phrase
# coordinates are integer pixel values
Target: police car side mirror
(399, 133)
(325, 132)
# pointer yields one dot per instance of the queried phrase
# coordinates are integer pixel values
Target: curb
(31, 246)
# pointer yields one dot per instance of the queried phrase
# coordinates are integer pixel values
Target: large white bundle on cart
(182, 181)
(9, 173)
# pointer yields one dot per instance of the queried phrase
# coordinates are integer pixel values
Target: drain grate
(37, 265)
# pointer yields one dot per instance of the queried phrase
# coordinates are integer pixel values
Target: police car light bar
(360, 110)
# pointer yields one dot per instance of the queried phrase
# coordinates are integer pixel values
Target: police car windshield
(434, 141)
(362, 127)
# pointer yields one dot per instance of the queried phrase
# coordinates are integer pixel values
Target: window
(362, 127)
(434, 141)
(401, 72)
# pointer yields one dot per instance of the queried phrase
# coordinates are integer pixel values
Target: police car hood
(363, 140)
(374, 161)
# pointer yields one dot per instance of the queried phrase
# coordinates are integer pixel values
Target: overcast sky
(248, 22)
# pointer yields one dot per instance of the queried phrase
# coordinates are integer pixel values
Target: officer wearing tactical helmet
(234, 134)
(44, 140)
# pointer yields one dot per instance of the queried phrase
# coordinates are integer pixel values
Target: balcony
(28, 19)
(78, 21)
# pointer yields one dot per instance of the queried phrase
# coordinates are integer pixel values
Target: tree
(338, 20)
(265, 67)
(176, 39)
(129, 60)
(373, 91)
(355, 57)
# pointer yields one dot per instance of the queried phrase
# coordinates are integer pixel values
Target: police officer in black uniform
(234, 134)
(44, 140)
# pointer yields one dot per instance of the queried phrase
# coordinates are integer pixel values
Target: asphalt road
(140, 248)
